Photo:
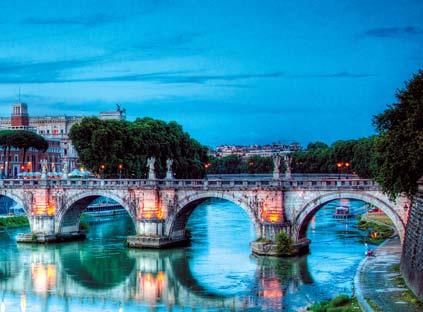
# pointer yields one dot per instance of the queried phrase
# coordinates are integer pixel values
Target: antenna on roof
(19, 94)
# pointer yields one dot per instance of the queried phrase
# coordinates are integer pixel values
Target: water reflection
(216, 272)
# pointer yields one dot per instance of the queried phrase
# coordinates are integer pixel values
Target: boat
(342, 212)
(102, 211)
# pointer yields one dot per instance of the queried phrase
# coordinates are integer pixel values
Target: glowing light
(151, 210)
(42, 205)
(271, 214)
(3, 307)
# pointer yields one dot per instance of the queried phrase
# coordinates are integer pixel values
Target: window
(15, 158)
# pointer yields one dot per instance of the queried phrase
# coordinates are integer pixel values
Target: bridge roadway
(160, 208)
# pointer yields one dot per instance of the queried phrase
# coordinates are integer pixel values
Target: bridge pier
(151, 234)
(267, 245)
(43, 231)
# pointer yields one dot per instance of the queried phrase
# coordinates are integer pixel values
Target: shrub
(283, 243)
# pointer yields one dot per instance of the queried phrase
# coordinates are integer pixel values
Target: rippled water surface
(216, 272)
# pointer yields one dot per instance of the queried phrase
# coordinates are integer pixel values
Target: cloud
(178, 41)
(42, 72)
(390, 32)
(182, 77)
(342, 74)
(60, 71)
(90, 21)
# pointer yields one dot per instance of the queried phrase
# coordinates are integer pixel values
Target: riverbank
(377, 231)
(11, 222)
(379, 284)
(341, 303)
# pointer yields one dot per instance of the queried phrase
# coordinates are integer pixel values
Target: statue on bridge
(169, 172)
(276, 165)
(287, 158)
(65, 170)
(151, 171)
(44, 165)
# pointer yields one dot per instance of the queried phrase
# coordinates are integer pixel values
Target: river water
(216, 272)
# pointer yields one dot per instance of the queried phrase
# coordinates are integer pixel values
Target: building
(268, 150)
(55, 129)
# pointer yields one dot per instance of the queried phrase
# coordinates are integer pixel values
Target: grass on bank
(341, 303)
(376, 233)
(379, 217)
(13, 222)
(406, 295)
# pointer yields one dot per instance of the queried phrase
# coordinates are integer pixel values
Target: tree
(25, 140)
(399, 147)
(6, 144)
(21, 139)
(115, 144)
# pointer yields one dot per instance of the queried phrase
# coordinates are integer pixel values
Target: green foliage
(112, 143)
(399, 148)
(283, 243)
(84, 226)
(341, 303)
(21, 139)
(13, 222)
(320, 158)
(235, 164)
(383, 231)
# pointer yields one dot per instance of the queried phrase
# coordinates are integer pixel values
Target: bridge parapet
(316, 183)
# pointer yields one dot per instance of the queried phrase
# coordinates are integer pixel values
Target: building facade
(55, 129)
(243, 151)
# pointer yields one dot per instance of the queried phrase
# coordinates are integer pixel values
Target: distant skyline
(231, 72)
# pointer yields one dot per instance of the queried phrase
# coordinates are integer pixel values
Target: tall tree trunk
(8, 162)
(23, 157)
(4, 161)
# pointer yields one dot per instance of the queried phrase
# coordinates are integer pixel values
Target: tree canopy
(21, 139)
(399, 147)
(234, 165)
(113, 143)
(319, 157)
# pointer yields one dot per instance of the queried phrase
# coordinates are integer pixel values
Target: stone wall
(412, 256)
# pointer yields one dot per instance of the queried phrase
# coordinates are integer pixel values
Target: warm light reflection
(151, 286)
(43, 277)
(23, 302)
(42, 205)
(271, 291)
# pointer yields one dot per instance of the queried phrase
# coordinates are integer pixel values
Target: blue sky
(231, 72)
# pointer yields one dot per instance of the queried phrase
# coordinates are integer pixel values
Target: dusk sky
(231, 72)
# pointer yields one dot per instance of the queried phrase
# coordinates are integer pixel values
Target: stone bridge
(160, 208)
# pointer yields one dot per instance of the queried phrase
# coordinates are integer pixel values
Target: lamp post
(342, 165)
(120, 167)
(206, 167)
(102, 167)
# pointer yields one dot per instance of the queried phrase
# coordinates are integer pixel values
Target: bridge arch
(308, 210)
(69, 215)
(17, 199)
(20, 201)
(176, 224)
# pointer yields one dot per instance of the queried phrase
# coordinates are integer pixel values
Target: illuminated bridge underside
(160, 208)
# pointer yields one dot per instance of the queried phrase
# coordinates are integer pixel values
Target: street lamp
(342, 165)
(102, 167)
(206, 166)
(120, 167)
